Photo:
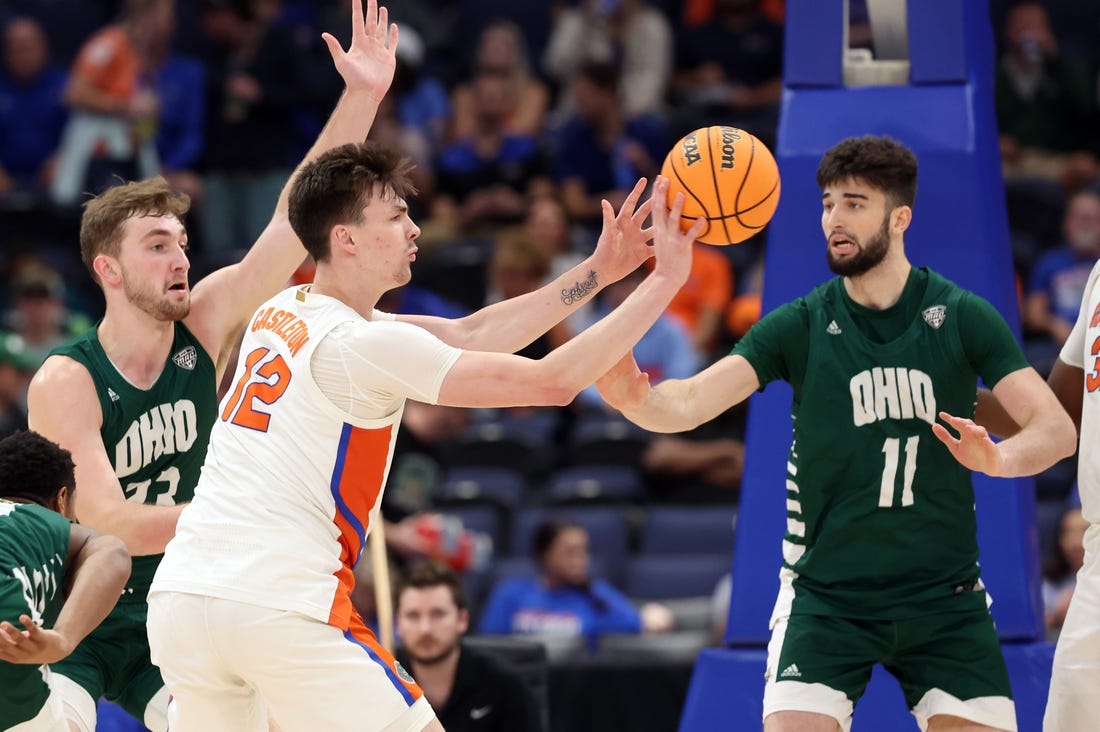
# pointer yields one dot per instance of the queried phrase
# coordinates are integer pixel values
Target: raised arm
(64, 408)
(223, 301)
(1046, 433)
(99, 567)
(509, 325)
(489, 379)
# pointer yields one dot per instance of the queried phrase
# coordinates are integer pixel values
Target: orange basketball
(728, 177)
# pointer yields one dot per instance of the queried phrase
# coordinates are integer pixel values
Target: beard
(868, 256)
(432, 660)
(152, 304)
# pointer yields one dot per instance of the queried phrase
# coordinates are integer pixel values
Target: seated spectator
(16, 368)
(601, 150)
(549, 228)
(481, 179)
(502, 49)
(1060, 574)
(179, 83)
(467, 689)
(1046, 104)
(261, 82)
(664, 352)
(38, 313)
(631, 36)
(113, 104)
(1059, 277)
(32, 115)
(563, 600)
(730, 71)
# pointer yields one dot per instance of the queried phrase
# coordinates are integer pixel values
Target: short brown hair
(879, 161)
(337, 186)
(104, 216)
(425, 574)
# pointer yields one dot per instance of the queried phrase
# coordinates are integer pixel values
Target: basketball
(728, 177)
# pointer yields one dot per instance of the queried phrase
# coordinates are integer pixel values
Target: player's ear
(107, 268)
(341, 237)
(902, 216)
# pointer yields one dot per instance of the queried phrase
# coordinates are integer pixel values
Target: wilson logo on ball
(728, 177)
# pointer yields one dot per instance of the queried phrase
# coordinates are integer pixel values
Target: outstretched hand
(672, 245)
(33, 646)
(369, 62)
(624, 384)
(624, 241)
(973, 448)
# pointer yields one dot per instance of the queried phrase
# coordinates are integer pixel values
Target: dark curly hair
(34, 469)
(879, 161)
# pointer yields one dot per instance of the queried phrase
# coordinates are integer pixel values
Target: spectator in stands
(518, 267)
(179, 84)
(467, 689)
(413, 117)
(259, 80)
(730, 71)
(32, 116)
(630, 35)
(113, 103)
(1059, 277)
(664, 352)
(564, 600)
(481, 179)
(502, 49)
(16, 368)
(549, 228)
(1046, 104)
(1060, 574)
(602, 149)
(38, 313)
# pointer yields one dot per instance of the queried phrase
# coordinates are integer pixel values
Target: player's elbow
(559, 393)
(1063, 435)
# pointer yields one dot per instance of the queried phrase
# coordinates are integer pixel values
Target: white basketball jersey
(1082, 349)
(292, 484)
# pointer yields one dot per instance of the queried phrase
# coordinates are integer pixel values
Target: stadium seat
(652, 577)
(599, 483)
(478, 483)
(492, 444)
(608, 528)
(678, 646)
(485, 519)
(603, 440)
(688, 530)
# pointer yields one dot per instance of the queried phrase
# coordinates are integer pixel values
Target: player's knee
(791, 721)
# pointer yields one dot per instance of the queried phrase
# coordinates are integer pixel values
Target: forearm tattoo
(577, 292)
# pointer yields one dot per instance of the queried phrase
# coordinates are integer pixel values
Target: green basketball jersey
(155, 438)
(34, 549)
(880, 516)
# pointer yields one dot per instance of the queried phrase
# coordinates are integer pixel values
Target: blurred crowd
(521, 117)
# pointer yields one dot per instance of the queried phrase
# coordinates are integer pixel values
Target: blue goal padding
(727, 692)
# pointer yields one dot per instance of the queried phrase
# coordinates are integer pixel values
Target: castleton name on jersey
(166, 429)
(892, 393)
(285, 324)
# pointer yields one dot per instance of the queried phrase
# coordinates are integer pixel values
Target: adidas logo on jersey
(935, 315)
(187, 358)
(112, 394)
(791, 672)
(833, 329)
